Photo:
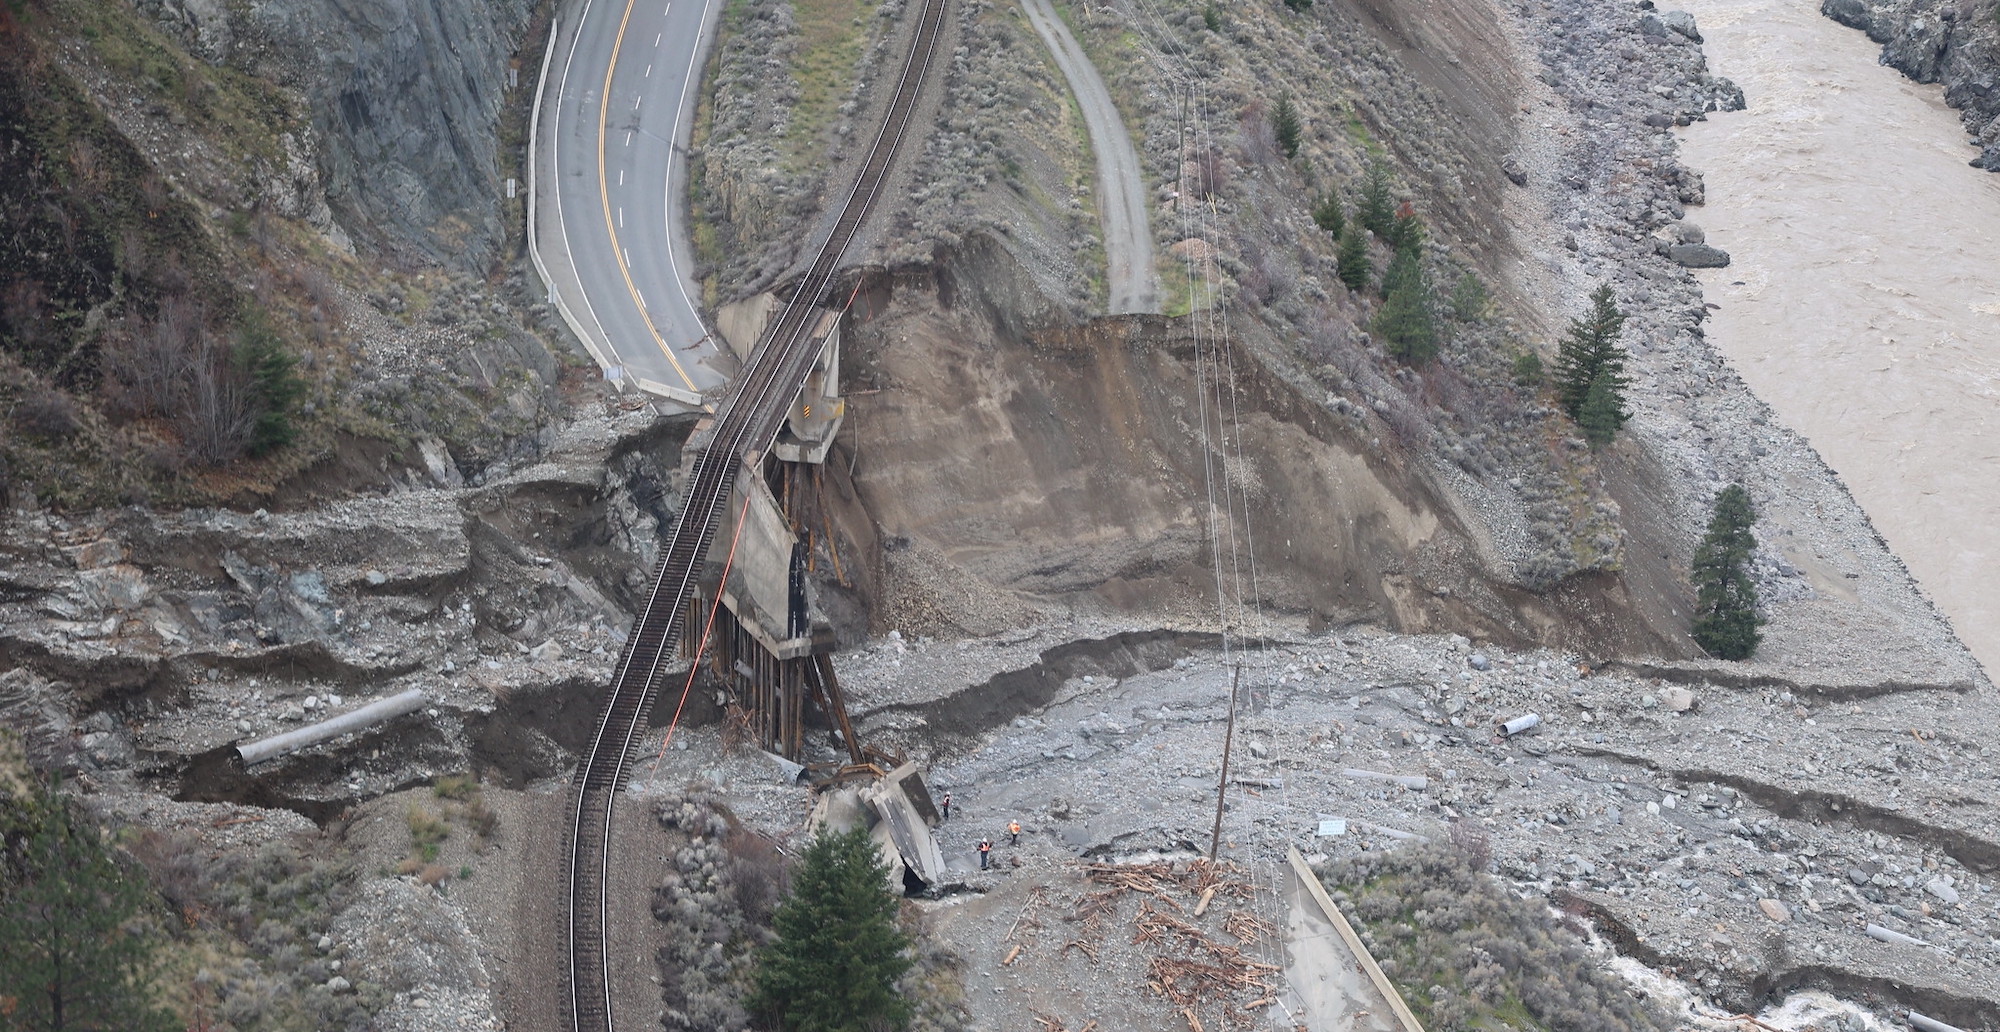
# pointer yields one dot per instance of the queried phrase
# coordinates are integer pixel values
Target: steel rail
(746, 424)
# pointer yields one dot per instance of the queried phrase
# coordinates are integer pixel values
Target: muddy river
(1864, 300)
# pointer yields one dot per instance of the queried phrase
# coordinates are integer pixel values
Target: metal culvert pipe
(332, 727)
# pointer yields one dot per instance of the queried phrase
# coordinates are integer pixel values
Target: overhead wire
(1215, 366)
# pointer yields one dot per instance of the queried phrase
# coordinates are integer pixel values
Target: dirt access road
(1121, 195)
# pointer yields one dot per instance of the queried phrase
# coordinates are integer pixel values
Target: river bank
(1860, 303)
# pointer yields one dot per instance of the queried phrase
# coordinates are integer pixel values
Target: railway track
(746, 424)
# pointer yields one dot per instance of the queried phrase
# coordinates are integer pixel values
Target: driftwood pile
(1187, 967)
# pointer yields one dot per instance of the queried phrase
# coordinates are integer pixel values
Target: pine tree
(1725, 618)
(1404, 322)
(1602, 413)
(1406, 232)
(1285, 125)
(1377, 210)
(839, 953)
(75, 951)
(1590, 349)
(1528, 369)
(1355, 268)
(1469, 299)
(1329, 216)
(275, 387)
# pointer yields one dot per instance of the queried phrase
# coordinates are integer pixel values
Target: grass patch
(1470, 955)
(427, 833)
(832, 34)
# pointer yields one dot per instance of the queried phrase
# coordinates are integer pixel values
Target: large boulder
(1681, 22)
(1698, 256)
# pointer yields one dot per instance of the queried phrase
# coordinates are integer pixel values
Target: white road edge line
(667, 209)
(603, 353)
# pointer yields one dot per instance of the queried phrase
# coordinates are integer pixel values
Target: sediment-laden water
(1864, 300)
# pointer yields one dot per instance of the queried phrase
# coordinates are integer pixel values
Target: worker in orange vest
(985, 851)
(1014, 833)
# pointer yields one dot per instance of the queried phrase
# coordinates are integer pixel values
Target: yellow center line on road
(618, 252)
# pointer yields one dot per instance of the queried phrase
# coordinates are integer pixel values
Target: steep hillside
(201, 299)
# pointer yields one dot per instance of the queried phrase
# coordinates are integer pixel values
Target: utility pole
(1228, 738)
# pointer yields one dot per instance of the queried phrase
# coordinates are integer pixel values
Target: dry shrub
(759, 873)
(433, 873)
(1260, 143)
(1472, 845)
(47, 414)
(481, 819)
(149, 363)
(410, 865)
(1211, 174)
(1468, 953)
(1405, 421)
(180, 867)
(324, 293)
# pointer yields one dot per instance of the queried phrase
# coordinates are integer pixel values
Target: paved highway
(615, 106)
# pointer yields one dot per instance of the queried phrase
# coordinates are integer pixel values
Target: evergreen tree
(1469, 299)
(1591, 349)
(1725, 618)
(1406, 232)
(839, 953)
(1355, 268)
(1377, 210)
(1603, 412)
(1327, 214)
(1299, 5)
(75, 951)
(271, 372)
(1528, 369)
(1285, 125)
(1404, 322)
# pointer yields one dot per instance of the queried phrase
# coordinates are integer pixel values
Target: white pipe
(1931, 1024)
(1881, 934)
(333, 727)
(1415, 783)
(1520, 724)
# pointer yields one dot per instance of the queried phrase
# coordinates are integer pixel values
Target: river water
(1863, 303)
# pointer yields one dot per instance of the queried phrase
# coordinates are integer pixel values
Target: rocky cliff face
(406, 97)
(1953, 42)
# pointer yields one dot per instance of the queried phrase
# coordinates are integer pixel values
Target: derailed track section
(745, 425)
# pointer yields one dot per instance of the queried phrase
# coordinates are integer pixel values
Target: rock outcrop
(1940, 41)
(406, 98)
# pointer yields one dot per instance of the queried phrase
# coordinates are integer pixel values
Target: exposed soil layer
(1021, 475)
